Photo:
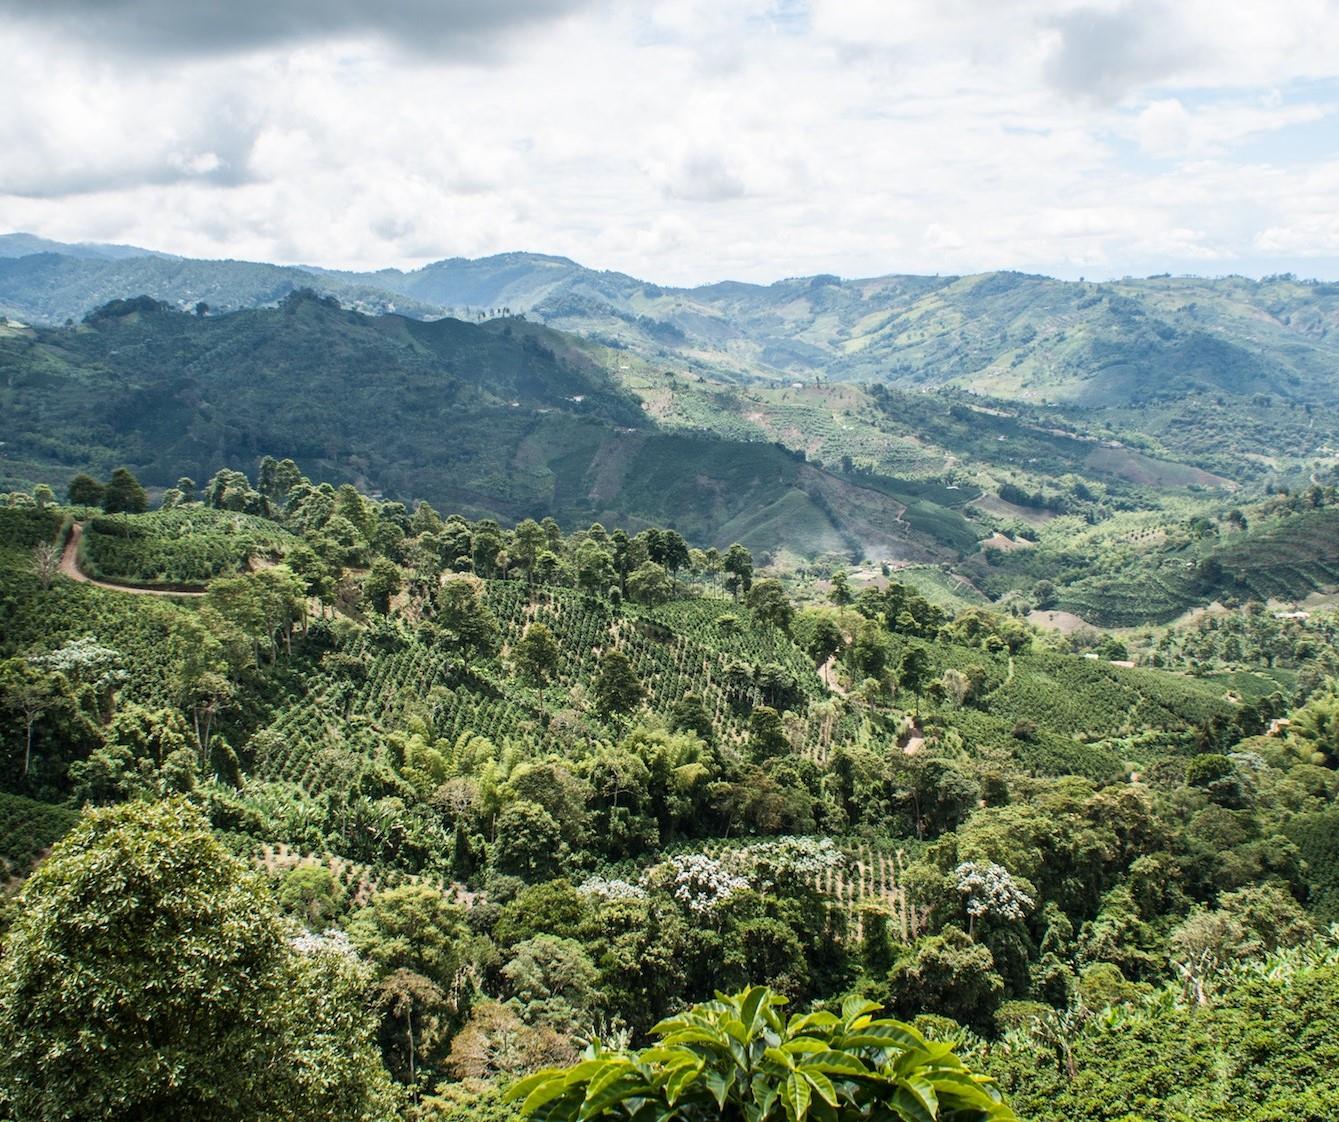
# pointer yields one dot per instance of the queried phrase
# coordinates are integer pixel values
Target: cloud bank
(683, 140)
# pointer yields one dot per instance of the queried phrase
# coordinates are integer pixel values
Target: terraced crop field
(189, 545)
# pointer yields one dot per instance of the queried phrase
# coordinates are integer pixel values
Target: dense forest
(319, 805)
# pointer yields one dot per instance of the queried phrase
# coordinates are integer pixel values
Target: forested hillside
(490, 791)
(503, 418)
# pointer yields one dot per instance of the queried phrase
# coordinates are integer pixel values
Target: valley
(521, 676)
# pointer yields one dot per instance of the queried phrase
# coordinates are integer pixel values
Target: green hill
(587, 776)
(504, 418)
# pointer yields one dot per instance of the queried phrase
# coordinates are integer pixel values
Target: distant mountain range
(1011, 335)
(815, 414)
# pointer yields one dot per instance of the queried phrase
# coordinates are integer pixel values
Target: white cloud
(690, 141)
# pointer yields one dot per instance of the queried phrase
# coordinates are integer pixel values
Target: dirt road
(69, 565)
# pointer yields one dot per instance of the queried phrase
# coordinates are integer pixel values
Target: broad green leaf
(613, 1092)
(924, 1091)
(754, 1001)
(910, 1107)
(719, 1085)
(522, 1087)
(680, 1081)
(796, 1095)
(836, 1062)
(546, 1092)
(822, 1084)
(856, 1006)
(800, 1024)
(805, 1044)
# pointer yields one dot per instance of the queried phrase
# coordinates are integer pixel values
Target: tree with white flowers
(990, 892)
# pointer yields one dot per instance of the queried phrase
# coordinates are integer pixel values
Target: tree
(738, 1058)
(673, 555)
(148, 976)
(595, 568)
(767, 600)
(30, 692)
(486, 547)
(1314, 729)
(382, 583)
(413, 927)
(467, 619)
(43, 496)
(840, 593)
(124, 495)
(199, 678)
(555, 981)
(767, 735)
(419, 944)
(617, 687)
(690, 715)
(648, 584)
(84, 490)
(950, 975)
(46, 562)
(528, 842)
(496, 1043)
(956, 685)
(527, 542)
(912, 672)
(231, 490)
(264, 606)
(312, 893)
(536, 656)
(738, 567)
(868, 653)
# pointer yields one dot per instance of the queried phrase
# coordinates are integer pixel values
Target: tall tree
(84, 490)
(617, 687)
(913, 672)
(46, 562)
(674, 555)
(536, 656)
(527, 541)
(738, 567)
(466, 618)
(124, 495)
(767, 599)
(382, 583)
(28, 691)
(595, 567)
(148, 976)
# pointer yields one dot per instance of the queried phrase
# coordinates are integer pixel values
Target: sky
(684, 141)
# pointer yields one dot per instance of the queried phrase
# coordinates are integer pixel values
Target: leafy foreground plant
(736, 1059)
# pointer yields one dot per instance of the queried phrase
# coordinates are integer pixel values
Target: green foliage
(737, 1056)
(124, 494)
(182, 546)
(617, 687)
(27, 828)
(1261, 1049)
(139, 918)
(1047, 835)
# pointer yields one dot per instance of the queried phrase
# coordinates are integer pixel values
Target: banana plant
(737, 1059)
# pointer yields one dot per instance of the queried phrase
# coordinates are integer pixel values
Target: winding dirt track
(69, 565)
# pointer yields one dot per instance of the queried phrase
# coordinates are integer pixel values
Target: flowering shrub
(989, 890)
(697, 881)
(333, 941)
(612, 889)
